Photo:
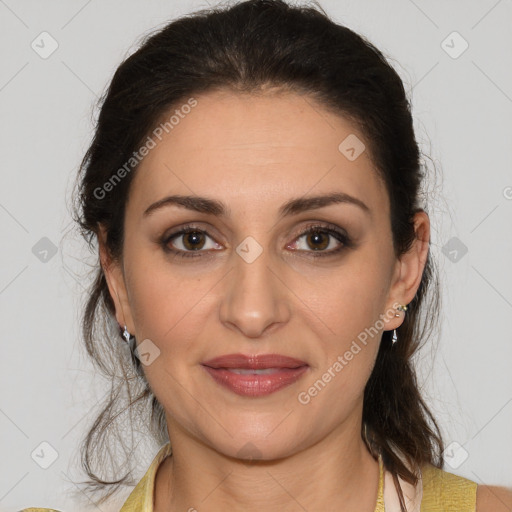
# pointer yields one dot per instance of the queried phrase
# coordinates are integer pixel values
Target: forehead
(247, 149)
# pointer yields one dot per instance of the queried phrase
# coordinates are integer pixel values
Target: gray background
(462, 107)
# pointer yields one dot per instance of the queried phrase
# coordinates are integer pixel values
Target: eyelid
(209, 230)
(333, 231)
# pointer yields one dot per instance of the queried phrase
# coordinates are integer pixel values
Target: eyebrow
(219, 209)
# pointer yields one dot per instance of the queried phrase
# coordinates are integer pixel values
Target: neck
(198, 478)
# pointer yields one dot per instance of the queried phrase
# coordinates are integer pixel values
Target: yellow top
(442, 491)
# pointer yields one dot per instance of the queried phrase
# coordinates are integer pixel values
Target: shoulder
(437, 478)
(35, 509)
(491, 498)
(442, 487)
(446, 492)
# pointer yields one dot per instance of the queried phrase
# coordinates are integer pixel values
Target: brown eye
(189, 241)
(320, 240)
(317, 240)
(193, 240)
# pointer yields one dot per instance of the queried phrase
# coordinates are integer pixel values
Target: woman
(253, 185)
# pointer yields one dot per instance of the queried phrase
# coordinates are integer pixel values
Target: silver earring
(401, 307)
(394, 338)
(130, 340)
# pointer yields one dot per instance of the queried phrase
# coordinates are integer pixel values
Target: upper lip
(254, 362)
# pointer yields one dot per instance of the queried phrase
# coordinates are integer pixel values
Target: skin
(255, 153)
(491, 498)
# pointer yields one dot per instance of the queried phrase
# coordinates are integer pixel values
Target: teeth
(249, 371)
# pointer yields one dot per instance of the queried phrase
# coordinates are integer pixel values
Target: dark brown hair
(249, 47)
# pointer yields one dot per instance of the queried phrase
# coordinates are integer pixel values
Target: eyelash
(314, 228)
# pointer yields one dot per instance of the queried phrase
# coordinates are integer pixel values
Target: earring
(130, 340)
(401, 307)
(126, 335)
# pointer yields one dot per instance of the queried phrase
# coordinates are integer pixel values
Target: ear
(116, 282)
(409, 269)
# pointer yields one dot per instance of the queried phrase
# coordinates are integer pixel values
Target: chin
(266, 444)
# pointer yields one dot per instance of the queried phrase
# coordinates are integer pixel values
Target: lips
(255, 375)
(254, 362)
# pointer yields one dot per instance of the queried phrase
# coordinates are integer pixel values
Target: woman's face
(248, 281)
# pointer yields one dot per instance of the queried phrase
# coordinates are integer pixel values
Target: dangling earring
(126, 335)
(130, 340)
(394, 338)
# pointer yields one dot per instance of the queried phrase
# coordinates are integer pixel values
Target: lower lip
(254, 384)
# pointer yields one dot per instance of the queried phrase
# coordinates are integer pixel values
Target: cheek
(166, 307)
(171, 312)
(348, 335)
(350, 297)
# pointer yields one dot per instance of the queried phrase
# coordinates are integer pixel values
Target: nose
(255, 295)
